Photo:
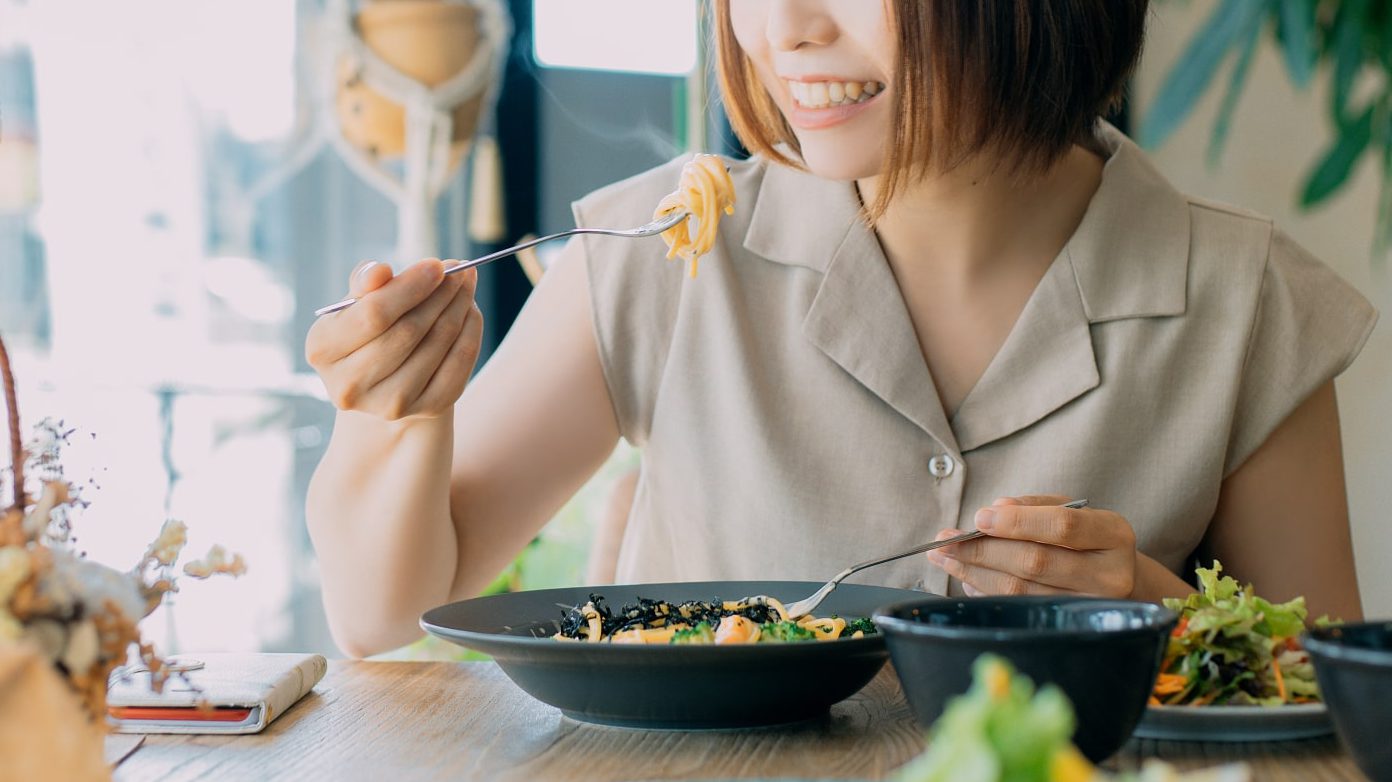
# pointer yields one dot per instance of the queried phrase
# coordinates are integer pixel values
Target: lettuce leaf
(1227, 642)
(1001, 730)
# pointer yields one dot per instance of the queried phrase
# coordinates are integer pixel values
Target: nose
(793, 24)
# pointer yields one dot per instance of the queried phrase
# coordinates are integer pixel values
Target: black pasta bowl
(682, 687)
(1353, 664)
(1103, 654)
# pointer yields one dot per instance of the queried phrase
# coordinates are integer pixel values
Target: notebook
(244, 693)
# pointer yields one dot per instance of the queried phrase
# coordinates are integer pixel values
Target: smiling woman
(950, 296)
(1022, 85)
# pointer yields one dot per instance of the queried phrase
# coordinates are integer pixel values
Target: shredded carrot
(1204, 700)
(1170, 683)
(1280, 680)
(1181, 628)
(1154, 701)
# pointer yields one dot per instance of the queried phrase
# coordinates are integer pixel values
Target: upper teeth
(819, 94)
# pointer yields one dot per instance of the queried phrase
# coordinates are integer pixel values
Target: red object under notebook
(219, 693)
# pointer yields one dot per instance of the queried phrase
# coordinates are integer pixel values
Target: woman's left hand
(1035, 547)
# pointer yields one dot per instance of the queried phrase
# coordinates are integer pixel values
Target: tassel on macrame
(16, 437)
(487, 221)
(12, 517)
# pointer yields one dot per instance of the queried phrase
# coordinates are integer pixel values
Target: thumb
(368, 277)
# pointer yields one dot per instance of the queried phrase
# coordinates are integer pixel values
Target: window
(169, 218)
(639, 36)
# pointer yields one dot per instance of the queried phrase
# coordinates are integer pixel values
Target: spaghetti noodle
(704, 191)
(699, 622)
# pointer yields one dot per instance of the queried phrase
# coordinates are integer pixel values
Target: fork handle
(965, 536)
(464, 265)
(667, 222)
(808, 604)
(513, 250)
(650, 229)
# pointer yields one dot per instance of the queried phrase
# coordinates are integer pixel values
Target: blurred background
(182, 182)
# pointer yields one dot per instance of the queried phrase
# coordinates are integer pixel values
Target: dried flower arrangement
(81, 615)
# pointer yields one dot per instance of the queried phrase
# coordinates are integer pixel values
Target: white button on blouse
(941, 465)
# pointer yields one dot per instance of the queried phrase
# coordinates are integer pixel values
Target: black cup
(1103, 654)
(1353, 663)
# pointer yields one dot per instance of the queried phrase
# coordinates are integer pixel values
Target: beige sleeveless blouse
(789, 427)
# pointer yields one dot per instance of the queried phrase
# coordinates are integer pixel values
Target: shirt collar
(1130, 253)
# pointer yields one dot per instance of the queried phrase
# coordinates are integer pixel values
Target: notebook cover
(246, 692)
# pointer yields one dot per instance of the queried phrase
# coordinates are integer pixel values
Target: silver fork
(648, 229)
(805, 606)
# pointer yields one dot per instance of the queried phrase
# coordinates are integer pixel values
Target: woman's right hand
(407, 348)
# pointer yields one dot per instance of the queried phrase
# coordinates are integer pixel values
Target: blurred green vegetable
(1001, 730)
(864, 625)
(702, 633)
(1004, 730)
(784, 631)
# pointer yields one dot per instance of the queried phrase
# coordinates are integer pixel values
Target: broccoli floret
(780, 632)
(862, 624)
(702, 633)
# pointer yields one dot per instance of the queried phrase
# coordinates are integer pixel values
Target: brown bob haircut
(1022, 80)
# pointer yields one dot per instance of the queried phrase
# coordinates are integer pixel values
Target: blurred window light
(638, 36)
(239, 62)
(249, 288)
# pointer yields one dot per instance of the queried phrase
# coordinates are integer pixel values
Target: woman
(950, 297)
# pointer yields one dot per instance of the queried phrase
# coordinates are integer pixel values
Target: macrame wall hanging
(415, 88)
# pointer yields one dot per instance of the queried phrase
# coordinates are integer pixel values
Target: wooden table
(467, 721)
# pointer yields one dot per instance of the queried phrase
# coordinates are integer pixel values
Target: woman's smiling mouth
(818, 102)
(821, 94)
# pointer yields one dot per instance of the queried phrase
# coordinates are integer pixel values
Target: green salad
(1233, 647)
(1003, 730)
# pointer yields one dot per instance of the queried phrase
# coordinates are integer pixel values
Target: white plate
(1235, 723)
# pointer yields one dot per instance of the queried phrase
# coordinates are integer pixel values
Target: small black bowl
(1353, 663)
(1103, 654)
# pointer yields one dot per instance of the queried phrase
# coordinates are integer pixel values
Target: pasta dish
(704, 191)
(698, 622)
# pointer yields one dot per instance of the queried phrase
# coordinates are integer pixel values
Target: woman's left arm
(1282, 522)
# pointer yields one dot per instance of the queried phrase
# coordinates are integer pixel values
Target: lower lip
(815, 119)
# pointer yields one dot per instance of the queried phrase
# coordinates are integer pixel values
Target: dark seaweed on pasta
(650, 614)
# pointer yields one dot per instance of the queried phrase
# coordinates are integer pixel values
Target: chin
(831, 158)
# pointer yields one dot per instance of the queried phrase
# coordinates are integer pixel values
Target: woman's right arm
(420, 500)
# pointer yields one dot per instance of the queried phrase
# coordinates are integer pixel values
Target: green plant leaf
(1187, 81)
(1349, 24)
(1297, 39)
(1333, 170)
(1247, 43)
(1382, 35)
(1382, 231)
